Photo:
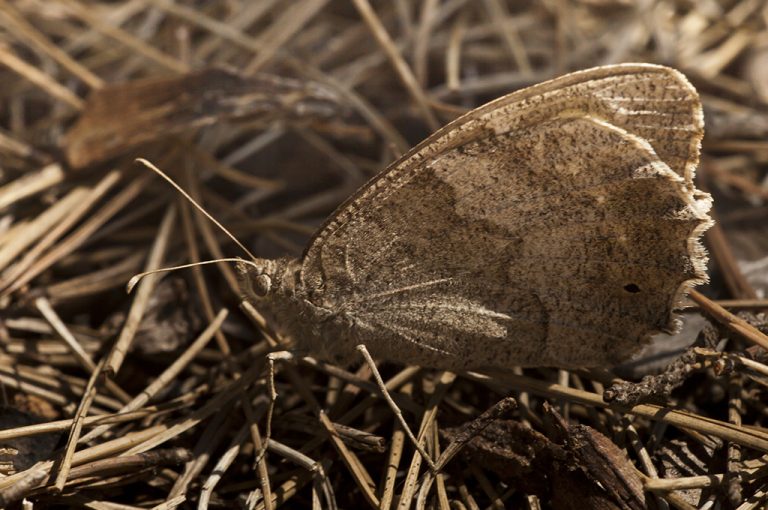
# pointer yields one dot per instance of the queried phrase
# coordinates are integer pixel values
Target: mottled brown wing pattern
(542, 230)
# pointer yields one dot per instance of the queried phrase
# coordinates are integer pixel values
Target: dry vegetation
(351, 85)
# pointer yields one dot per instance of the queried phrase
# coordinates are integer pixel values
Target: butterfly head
(256, 277)
(261, 279)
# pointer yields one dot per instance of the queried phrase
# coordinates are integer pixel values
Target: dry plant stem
(142, 296)
(466, 496)
(398, 413)
(170, 503)
(16, 22)
(209, 440)
(288, 489)
(396, 59)
(396, 445)
(295, 457)
(745, 436)
(682, 483)
(421, 42)
(409, 484)
(319, 470)
(232, 174)
(31, 73)
(96, 282)
(655, 387)
(398, 380)
(733, 476)
(373, 388)
(726, 261)
(30, 184)
(501, 21)
(722, 176)
(20, 149)
(77, 426)
(100, 451)
(742, 303)
(50, 389)
(453, 53)
(730, 321)
(501, 408)
(271, 358)
(13, 493)
(237, 21)
(678, 502)
(224, 462)
(130, 41)
(82, 40)
(756, 500)
(287, 24)
(219, 401)
(31, 231)
(645, 459)
(71, 342)
(440, 478)
(106, 467)
(261, 461)
(35, 262)
(72, 216)
(356, 469)
(223, 30)
(107, 419)
(170, 373)
(361, 477)
(476, 426)
(490, 493)
(377, 121)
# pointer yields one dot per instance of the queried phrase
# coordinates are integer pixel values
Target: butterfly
(556, 226)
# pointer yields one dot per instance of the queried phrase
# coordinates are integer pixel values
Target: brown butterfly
(555, 226)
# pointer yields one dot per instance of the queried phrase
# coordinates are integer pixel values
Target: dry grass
(158, 399)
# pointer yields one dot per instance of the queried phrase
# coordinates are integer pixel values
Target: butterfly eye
(261, 285)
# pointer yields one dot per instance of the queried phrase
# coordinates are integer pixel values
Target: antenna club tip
(132, 283)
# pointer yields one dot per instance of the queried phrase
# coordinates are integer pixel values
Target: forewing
(520, 239)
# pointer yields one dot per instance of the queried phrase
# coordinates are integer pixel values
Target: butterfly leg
(398, 414)
(271, 358)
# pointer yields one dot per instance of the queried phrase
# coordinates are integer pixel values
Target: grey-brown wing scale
(564, 241)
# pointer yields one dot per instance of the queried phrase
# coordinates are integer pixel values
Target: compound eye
(632, 288)
(261, 285)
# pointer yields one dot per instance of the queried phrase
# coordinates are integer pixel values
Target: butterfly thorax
(274, 287)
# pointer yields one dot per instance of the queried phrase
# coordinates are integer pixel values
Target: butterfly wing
(541, 229)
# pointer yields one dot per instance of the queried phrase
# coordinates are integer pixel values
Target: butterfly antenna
(135, 278)
(198, 206)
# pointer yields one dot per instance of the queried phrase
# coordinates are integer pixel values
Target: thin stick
(77, 426)
(261, 464)
(170, 373)
(71, 342)
(139, 305)
(9, 59)
(730, 321)
(31, 183)
(27, 31)
(397, 61)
